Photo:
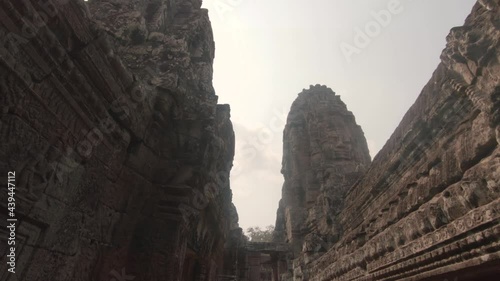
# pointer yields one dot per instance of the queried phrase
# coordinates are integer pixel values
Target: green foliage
(257, 234)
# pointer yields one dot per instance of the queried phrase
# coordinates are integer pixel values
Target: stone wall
(121, 152)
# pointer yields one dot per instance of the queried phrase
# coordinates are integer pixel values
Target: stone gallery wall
(120, 151)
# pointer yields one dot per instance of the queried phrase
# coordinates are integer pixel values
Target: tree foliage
(257, 234)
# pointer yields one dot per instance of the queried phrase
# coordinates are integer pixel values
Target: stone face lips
(324, 153)
(109, 118)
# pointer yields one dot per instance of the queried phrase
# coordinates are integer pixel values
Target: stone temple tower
(324, 153)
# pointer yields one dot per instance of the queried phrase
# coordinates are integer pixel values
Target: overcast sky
(267, 51)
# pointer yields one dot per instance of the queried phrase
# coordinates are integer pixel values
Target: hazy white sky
(267, 51)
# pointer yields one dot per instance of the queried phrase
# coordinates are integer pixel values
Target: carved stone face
(342, 149)
(336, 141)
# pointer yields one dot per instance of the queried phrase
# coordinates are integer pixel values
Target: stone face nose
(344, 142)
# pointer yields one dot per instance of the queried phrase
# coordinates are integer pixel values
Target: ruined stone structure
(324, 153)
(428, 207)
(261, 260)
(111, 124)
(121, 157)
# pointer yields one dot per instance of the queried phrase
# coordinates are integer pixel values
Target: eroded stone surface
(110, 120)
(324, 153)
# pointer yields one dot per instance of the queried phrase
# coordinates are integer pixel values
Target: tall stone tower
(324, 153)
